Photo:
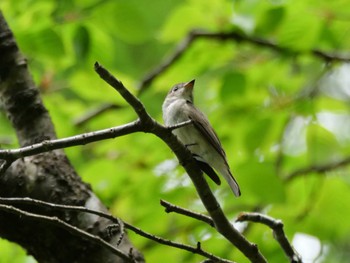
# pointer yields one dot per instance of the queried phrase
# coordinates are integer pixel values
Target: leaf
(270, 20)
(233, 86)
(12, 252)
(329, 219)
(49, 42)
(260, 182)
(195, 14)
(322, 145)
(257, 133)
(299, 30)
(81, 43)
(126, 21)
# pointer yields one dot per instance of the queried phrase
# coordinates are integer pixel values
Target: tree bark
(48, 176)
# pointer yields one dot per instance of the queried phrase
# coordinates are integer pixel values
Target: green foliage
(274, 112)
(13, 253)
(233, 86)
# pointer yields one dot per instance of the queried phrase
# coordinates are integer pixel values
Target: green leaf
(49, 42)
(193, 15)
(259, 181)
(81, 43)
(322, 145)
(233, 86)
(270, 20)
(257, 133)
(126, 21)
(329, 218)
(12, 252)
(299, 30)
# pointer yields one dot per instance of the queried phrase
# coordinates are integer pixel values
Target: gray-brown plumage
(199, 137)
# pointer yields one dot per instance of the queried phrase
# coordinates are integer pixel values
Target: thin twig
(182, 211)
(72, 229)
(127, 95)
(88, 116)
(40, 203)
(168, 61)
(197, 250)
(278, 232)
(184, 45)
(82, 139)
(222, 224)
(35, 202)
(147, 124)
(320, 169)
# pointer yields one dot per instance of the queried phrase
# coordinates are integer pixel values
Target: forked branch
(278, 232)
(146, 123)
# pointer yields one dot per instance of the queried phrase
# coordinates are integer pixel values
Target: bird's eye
(175, 89)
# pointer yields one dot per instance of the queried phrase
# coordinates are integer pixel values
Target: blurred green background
(275, 112)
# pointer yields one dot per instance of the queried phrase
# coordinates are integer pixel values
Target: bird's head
(182, 91)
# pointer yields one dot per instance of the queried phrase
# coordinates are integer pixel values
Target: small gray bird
(199, 136)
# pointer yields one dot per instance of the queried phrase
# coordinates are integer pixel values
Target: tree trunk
(49, 176)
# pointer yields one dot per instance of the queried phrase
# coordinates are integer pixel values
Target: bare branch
(88, 116)
(184, 45)
(118, 86)
(320, 169)
(40, 203)
(222, 224)
(177, 54)
(182, 211)
(82, 139)
(197, 250)
(147, 124)
(35, 202)
(72, 229)
(278, 232)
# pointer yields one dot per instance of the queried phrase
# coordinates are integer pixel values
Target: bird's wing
(201, 122)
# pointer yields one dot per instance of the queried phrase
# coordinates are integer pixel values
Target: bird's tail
(232, 182)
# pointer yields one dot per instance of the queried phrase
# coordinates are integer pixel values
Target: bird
(198, 136)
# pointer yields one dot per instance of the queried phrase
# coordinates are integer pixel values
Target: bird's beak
(189, 85)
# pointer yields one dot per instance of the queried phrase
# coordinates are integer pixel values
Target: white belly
(189, 135)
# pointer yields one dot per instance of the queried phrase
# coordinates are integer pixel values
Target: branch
(168, 61)
(318, 169)
(72, 229)
(146, 123)
(48, 145)
(39, 203)
(59, 182)
(196, 250)
(278, 233)
(118, 86)
(44, 204)
(182, 211)
(80, 121)
(185, 44)
(9, 156)
(222, 224)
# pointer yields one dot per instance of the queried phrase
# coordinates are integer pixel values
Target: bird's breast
(174, 113)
